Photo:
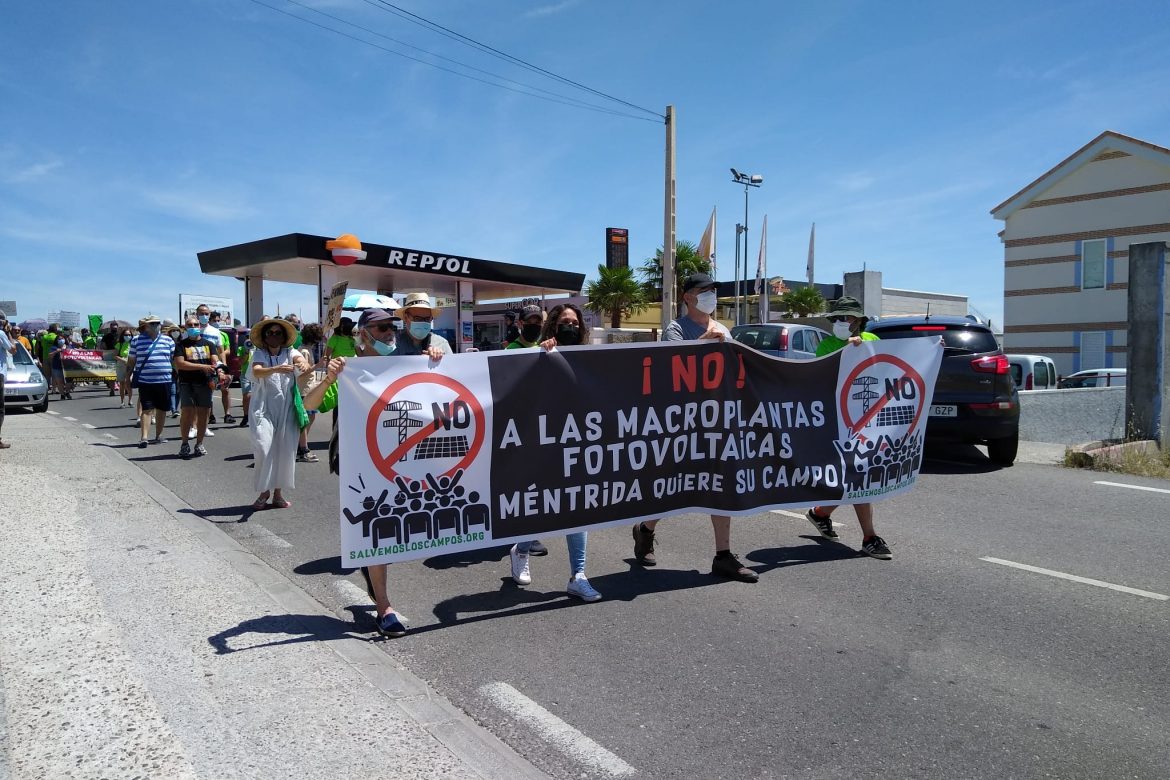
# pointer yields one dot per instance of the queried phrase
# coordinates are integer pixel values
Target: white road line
(267, 538)
(110, 435)
(71, 419)
(555, 731)
(1075, 578)
(1131, 487)
(87, 425)
(52, 412)
(797, 515)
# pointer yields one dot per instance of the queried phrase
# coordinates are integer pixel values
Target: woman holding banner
(375, 336)
(564, 327)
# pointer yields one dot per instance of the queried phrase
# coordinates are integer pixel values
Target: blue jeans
(575, 542)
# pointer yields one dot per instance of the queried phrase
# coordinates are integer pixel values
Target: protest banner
(89, 365)
(189, 302)
(486, 449)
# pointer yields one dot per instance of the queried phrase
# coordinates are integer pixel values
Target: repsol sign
(426, 262)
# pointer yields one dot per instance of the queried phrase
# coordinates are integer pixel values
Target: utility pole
(738, 233)
(669, 285)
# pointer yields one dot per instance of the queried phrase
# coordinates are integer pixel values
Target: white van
(1032, 372)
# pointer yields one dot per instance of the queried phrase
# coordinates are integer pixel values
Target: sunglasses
(274, 332)
(381, 327)
(838, 319)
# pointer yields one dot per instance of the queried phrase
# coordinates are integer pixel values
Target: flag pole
(668, 228)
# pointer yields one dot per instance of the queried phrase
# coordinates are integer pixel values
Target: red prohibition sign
(385, 463)
(909, 373)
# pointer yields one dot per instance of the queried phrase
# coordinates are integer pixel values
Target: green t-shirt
(341, 346)
(123, 349)
(90, 342)
(520, 344)
(48, 341)
(830, 344)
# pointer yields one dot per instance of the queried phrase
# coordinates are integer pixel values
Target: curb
(483, 753)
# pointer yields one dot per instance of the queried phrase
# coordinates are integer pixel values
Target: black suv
(975, 399)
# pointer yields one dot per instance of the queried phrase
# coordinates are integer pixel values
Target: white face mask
(842, 330)
(705, 301)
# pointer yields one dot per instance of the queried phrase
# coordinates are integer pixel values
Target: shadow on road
(328, 565)
(293, 628)
(822, 551)
(462, 560)
(237, 514)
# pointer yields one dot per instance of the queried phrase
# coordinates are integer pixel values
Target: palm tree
(803, 301)
(615, 292)
(686, 262)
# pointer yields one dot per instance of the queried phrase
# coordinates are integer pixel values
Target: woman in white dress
(274, 428)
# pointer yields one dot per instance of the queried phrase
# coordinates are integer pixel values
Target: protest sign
(89, 365)
(336, 301)
(491, 448)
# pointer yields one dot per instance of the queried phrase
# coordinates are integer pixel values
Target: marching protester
(418, 315)
(195, 368)
(7, 347)
(310, 336)
(209, 321)
(532, 323)
(375, 337)
(121, 355)
(565, 327)
(341, 343)
(244, 352)
(58, 369)
(697, 324)
(176, 334)
(150, 368)
(275, 427)
(848, 319)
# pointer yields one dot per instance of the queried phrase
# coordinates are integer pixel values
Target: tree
(617, 293)
(686, 262)
(803, 301)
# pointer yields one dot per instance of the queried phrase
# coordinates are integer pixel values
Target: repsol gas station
(463, 287)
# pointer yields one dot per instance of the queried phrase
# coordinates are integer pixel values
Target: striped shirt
(156, 369)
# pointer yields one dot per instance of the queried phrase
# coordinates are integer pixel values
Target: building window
(1092, 350)
(1093, 264)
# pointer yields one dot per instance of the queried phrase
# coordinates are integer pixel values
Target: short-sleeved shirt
(215, 337)
(686, 329)
(123, 348)
(830, 344)
(407, 345)
(153, 366)
(520, 343)
(194, 351)
(48, 341)
(5, 345)
(341, 346)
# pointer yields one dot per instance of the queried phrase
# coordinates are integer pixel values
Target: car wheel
(1003, 451)
(43, 406)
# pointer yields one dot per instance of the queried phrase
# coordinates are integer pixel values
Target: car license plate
(944, 410)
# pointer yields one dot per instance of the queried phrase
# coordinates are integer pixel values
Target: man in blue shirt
(149, 362)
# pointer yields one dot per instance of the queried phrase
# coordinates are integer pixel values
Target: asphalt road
(939, 663)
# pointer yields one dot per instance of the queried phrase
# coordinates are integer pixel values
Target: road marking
(87, 425)
(110, 435)
(52, 412)
(798, 516)
(1075, 578)
(267, 538)
(554, 730)
(71, 419)
(1132, 487)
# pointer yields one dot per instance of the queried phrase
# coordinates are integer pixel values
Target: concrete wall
(1072, 416)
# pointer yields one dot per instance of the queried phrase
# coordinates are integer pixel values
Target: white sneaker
(520, 571)
(580, 587)
(193, 432)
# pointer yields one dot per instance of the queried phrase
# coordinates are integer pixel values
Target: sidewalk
(136, 640)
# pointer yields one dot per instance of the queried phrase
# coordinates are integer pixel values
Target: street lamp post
(747, 180)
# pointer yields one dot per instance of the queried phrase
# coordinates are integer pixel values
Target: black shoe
(211, 420)
(185, 451)
(644, 545)
(142, 444)
(875, 547)
(729, 566)
(228, 419)
(536, 548)
(389, 625)
(823, 525)
(244, 421)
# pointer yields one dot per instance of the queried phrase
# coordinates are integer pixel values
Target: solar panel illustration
(441, 447)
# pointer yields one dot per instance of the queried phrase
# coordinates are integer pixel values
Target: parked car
(975, 400)
(25, 384)
(781, 339)
(1032, 372)
(1095, 377)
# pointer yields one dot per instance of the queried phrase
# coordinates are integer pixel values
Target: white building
(1066, 244)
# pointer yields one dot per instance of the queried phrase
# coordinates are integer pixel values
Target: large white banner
(490, 448)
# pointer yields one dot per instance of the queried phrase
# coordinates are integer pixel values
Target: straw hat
(256, 334)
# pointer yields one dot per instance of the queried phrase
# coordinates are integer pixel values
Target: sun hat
(420, 300)
(149, 319)
(257, 332)
(846, 307)
(698, 279)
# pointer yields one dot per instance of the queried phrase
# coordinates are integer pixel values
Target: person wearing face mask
(565, 327)
(176, 334)
(848, 320)
(697, 324)
(274, 425)
(418, 316)
(220, 343)
(121, 353)
(195, 367)
(531, 325)
(150, 366)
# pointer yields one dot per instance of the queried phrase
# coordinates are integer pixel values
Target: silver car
(25, 384)
(785, 340)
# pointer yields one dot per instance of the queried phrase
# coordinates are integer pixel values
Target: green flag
(95, 323)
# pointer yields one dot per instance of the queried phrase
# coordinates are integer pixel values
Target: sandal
(260, 503)
(282, 503)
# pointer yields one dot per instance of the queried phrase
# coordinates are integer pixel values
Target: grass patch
(1125, 460)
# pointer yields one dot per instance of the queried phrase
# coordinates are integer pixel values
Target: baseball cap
(697, 280)
(531, 311)
(374, 315)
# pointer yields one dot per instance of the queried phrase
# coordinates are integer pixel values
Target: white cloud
(33, 172)
(549, 10)
(200, 207)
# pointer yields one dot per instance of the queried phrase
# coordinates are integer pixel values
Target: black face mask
(568, 335)
(530, 332)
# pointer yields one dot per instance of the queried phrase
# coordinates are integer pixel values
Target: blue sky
(134, 134)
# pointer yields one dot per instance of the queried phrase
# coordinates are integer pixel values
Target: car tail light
(991, 364)
(782, 342)
(993, 405)
(928, 327)
(1028, 382)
